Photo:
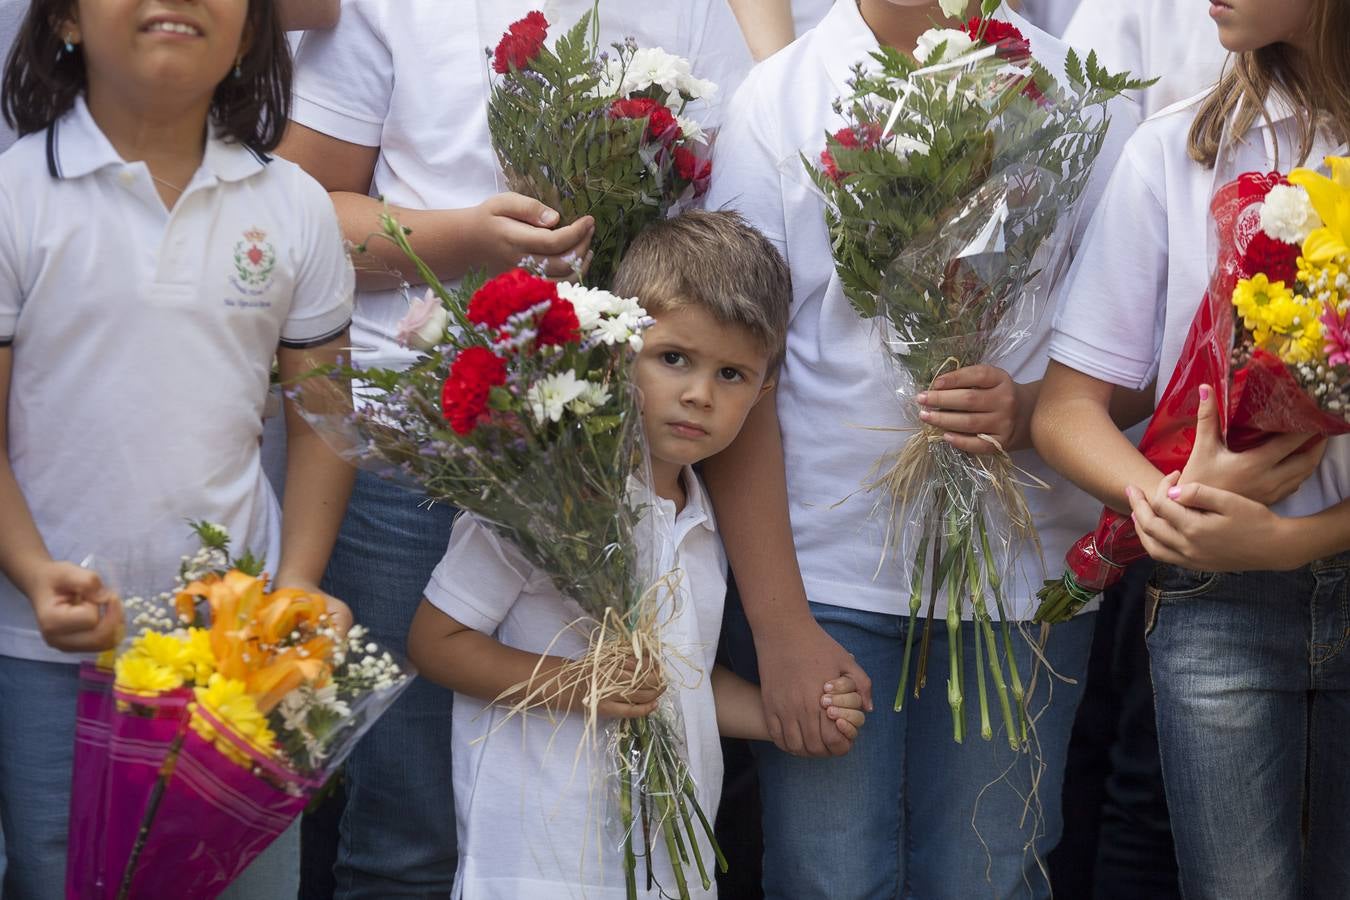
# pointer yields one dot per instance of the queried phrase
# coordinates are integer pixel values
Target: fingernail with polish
(1174, 492)
(1204, 392)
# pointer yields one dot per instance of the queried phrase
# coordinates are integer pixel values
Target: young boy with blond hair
(490, 621)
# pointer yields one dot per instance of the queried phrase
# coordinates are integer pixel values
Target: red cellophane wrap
(1257, 401)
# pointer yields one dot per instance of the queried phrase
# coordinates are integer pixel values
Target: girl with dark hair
(1249, 607)
(153, 261)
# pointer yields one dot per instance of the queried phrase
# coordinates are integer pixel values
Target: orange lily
(1331, 198)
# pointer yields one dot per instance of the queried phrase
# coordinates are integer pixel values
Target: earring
(238, 70)
(70, 44)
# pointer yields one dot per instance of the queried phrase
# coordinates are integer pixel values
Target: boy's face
(699, 379)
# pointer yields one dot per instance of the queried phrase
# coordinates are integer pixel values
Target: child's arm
(766, 24)
(466, 661)
(740, 709)
(1075, 434)
(74, 611)
(748, 487)
(318, 483)
(302, 15)
(496, 234)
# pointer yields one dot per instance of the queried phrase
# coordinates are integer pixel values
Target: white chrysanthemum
(591, 399)
(654, 66)
(589, 304)
(691, 130)
(614, 331)
(697, 88)
(957, 42)
(549, 396)
(1288, 215)
(953, 8)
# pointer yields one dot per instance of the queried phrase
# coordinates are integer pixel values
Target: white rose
(957, 42)
(1288, 215)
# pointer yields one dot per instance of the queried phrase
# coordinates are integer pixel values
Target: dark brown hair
(1317, 85)
(42, 80)
(717, 262)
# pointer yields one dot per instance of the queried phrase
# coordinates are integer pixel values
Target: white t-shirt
(142, 345)
(1053, 15)
(529, 826)
(1176, 42)
(412, 79)
(836, 392)
(1145, 264)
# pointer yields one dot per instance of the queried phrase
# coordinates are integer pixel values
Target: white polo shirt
(529, 827)
(1053, 15)
(412, 79)
(837, 390)
(1145, 264)
(142, 345)
(1173, 41)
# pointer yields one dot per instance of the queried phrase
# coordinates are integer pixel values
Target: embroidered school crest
(254, 258)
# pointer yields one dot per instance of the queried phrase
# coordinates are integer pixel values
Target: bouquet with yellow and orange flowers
(206, 732)
(1272, 336)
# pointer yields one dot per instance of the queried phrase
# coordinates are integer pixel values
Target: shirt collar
(842, 40)
(77, 147)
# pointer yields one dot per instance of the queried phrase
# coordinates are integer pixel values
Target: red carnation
(521, 43)
(1271, 257)
(558, 324)
(689, 167)
(1011, 43)
(866, 136)
(508, 294)
(464, 396)
(661, 123)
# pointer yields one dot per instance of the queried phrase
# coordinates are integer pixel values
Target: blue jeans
(1251, 673)
(397, 835)
(37, 749)
(909, 812)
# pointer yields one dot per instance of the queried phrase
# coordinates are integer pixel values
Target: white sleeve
(746, 173)
(479, 578)
(1113, 303)
(719, 54)
(11, 292)
(344, 76)
(321, 306)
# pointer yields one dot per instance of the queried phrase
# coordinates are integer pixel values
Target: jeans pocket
(1170, 584)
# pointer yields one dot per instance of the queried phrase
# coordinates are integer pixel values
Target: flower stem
(151, 811)
(915, 602)
(955, 697)
(626, 814)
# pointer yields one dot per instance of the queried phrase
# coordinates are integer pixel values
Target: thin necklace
(167, 184)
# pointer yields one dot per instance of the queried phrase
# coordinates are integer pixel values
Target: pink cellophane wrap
(1257, 401)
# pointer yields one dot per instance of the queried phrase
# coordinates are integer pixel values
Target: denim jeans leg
(815, 807)
(1327, 855)
(981, 825)
(1229, 657)
(397, 835)
(275, 874)
(37, 750)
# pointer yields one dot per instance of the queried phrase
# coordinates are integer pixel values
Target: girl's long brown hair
(1317, 85)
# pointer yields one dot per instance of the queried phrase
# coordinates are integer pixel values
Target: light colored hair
(1317, 85)
(717, 262)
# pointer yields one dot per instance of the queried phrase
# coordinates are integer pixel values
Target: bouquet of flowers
(523, 413)
(950, 195)
(204, 735)
(1271, 336)
(596, 132)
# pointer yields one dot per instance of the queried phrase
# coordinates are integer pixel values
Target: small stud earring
(70, 44)
(238, 67)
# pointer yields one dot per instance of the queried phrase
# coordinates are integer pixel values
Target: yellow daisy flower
(142, 675)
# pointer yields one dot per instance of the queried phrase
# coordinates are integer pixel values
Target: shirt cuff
(336, 123)
(459, 607)
(1100, 363)
(319, 329)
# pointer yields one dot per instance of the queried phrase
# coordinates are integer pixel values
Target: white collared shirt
(1171, 40)
(1145, 262)
(837, 394)
(529, 827)
(412, 79)
(143, 341)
